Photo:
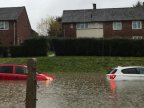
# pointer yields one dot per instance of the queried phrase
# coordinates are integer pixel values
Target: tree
(55, 27)
(138, 4)
(42, 27)
(50, 26)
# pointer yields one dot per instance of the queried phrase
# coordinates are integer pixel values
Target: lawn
(80, 64)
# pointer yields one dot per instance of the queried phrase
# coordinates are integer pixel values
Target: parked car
(19, 72)
(126, 73)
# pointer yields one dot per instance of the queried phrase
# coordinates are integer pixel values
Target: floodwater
(76, 91)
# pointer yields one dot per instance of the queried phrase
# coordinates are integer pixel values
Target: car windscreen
(6, 69)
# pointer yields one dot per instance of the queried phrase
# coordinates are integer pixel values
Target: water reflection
(76, 91)
(127, 94)
(112, 84)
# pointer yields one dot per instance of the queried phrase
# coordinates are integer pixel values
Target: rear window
(6, 69)
(112, 71)
(130, 71)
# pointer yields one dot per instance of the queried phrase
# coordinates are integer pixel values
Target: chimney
(94, 6)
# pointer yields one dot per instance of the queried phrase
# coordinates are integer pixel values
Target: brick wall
(19, 29)
(69, 30)
(126, 32)
(7, 36)
(23, 28)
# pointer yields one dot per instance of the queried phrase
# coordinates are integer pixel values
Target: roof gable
(110, 14)
(10, 13)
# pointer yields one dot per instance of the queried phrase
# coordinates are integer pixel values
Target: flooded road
(76, 91)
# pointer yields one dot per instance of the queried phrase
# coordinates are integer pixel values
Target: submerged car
(126, 73)
(19, 72)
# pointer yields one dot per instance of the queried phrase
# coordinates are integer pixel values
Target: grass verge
(78, 64)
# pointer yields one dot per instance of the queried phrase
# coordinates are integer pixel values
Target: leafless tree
(50, 26)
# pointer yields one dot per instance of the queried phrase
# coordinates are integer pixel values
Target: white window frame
(137, 37)
(117, 25)
(136, 24)
(82, 25)
(4, 25)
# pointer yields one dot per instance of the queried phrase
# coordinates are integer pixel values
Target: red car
(19, 72)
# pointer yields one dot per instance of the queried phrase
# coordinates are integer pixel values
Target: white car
(126, 73)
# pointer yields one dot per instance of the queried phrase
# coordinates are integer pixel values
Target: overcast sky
(38, 9)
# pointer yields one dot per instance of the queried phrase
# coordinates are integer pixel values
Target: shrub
(36, 47)
(31, 47)
(98, 47)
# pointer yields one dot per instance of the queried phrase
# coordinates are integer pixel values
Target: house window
(4, 25)
(82, 25)
(117, 26)
(136, 25)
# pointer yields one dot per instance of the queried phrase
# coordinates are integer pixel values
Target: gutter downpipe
(14, 34)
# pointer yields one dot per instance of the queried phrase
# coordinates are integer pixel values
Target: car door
(6, 72)
(141, 71)
(20, 73)
(131, 74)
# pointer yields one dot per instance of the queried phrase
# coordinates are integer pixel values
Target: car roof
(13, 65)
(125, 67)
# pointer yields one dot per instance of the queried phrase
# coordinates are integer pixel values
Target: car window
(21, 70)
(130, 71)
(141, 70)
(6, 69)
(112, 71)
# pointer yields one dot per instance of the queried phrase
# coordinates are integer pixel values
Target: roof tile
(109, 14)
(10, 13)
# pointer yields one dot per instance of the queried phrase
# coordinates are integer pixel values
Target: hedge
(76, 47)
(3, 51)
(31, 47)
(98, 47)
(36, 47)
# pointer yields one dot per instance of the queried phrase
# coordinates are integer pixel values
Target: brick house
(14, 26)
(104, 23)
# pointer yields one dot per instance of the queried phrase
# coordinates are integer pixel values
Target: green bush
(31, 47)
(17, 51)
(36, 47)
(98, 47)
(3, 51)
